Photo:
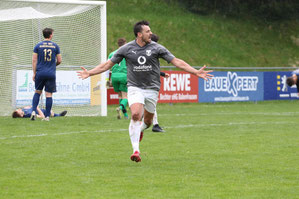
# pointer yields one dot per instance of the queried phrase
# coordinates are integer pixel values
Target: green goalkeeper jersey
(120, 68)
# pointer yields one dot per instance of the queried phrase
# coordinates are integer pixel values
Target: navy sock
(56, 115)
(35, 101)
(49, 102)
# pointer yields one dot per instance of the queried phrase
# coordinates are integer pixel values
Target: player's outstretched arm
(97, 70)
(186, 67)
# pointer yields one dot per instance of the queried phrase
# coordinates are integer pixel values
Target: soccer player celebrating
(143, 76)
(46, 56)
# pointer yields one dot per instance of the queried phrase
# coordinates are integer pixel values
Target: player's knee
(38, 92)
(136, 116)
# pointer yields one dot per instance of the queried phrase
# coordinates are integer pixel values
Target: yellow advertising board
(95, 94)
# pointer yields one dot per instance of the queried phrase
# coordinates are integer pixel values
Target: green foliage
(222, 150)
(264, 9)
(214, 40)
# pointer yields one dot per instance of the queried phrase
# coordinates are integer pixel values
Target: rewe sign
(179, 87)
(177, 82)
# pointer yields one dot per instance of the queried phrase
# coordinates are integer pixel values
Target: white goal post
(81, 33)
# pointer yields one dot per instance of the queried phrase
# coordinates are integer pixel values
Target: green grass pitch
(222, 150)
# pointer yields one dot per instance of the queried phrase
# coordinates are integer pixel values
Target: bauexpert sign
(232, 86)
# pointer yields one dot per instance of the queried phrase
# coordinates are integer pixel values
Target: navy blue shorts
(49, 83)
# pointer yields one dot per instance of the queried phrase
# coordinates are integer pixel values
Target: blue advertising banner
(275, 87)
(232, 86)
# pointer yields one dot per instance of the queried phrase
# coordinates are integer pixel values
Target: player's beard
(146, 41)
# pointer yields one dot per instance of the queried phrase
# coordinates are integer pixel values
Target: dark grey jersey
(143, 67)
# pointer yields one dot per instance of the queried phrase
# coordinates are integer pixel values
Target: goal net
(79, 30)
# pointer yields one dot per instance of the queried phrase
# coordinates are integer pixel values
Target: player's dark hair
(47, 32)
(138, 26)
(155, 37)
(290, 81)
(121, 42)
(15, 114)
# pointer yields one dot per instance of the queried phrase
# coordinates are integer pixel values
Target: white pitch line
(235, 113)
(229, 124)
(169, 127)
(65, 133)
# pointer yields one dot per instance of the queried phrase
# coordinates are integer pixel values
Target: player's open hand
(83, 74)
(205, 74)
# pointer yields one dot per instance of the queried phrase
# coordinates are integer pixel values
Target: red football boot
(136, 157)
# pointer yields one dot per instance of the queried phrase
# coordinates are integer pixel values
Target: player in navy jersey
(46, 56)
(26, 112)
(143, 76)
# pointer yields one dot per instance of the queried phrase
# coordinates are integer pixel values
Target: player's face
(20, 112)
(146, 34)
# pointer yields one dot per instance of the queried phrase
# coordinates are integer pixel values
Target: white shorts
(147, 97)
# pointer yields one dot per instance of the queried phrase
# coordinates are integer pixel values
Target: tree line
(265, 9)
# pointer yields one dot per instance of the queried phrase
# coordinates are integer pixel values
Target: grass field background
(222, 150)
(212, 40)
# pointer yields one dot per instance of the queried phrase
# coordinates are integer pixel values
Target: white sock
(134, 130)
(155, 118)
(143, 126)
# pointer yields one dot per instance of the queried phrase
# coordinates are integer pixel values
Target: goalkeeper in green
(119, 81)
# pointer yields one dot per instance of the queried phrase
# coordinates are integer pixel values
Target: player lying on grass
(26, 112)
